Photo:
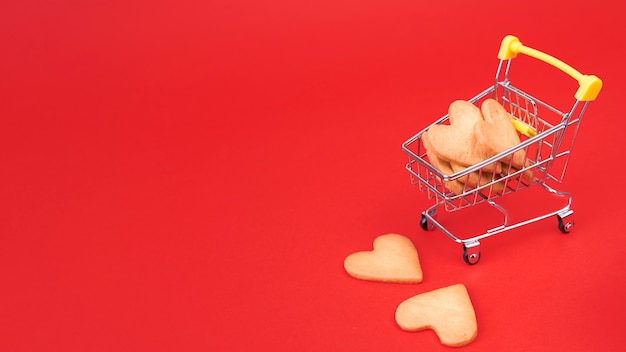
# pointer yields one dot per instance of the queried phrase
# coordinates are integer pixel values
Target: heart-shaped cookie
(497, 133)
(478, 178)
(394, 259)
(445, 167)
(448, 311)
(457, 141)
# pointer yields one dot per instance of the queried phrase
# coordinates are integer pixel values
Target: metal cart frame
(547, 136)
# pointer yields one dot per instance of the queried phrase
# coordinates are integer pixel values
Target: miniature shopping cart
(546, 134)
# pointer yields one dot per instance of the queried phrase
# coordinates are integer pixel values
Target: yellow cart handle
(589, 85)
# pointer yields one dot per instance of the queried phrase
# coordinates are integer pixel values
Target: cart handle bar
(589, 85)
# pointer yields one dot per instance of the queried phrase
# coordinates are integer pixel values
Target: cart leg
(564, 216)
(471, 252)
(424, 223)
(566, 221)
(505, 213)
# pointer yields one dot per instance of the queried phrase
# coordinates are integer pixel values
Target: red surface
(189, 175)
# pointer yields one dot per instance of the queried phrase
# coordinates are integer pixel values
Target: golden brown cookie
(444, 166)
(448, 311)
(454, 141)
(496, 133)
(476, 179)
(394, 259)
(457, 141)
(509, 169)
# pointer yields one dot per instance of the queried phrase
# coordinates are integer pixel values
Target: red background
(189, 175)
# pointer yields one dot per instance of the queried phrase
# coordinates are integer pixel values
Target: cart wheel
(565, 224)
(424, 223)
(471, 255)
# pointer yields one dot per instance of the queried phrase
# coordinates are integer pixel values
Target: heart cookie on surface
(394, 259)
(448, 311)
